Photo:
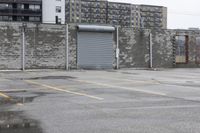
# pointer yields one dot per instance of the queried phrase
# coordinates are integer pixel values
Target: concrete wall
(10, 46)
(163, 48)
(135, 43)
(45, 47)
(134, 48)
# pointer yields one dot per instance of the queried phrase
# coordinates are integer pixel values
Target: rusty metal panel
(181, 49)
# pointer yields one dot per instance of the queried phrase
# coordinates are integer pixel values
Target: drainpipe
(150, 50)
(117, 47)
(67, 47)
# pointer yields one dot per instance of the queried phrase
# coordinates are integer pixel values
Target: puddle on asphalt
(16, 122)
(130, 73)
(49, 77)
(16, 100)
(23, 98)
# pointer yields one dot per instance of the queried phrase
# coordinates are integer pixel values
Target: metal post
(23, 46)
(117, 47)
(66, 47)
(150, 50)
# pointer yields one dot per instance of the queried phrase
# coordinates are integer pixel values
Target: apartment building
(135, 19)
(86, 11)
(53, 11)
(153, 16)
(73, 11)
(40, 11)
(119, 14)
(21, 10)
(94, 11)
(123, 14)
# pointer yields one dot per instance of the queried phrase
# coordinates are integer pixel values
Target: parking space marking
(135, 82)
(120, 87)
(4, 95)
(63, 90)
(3, 80)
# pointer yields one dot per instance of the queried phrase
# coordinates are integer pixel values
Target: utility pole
(150, 50)
(117, 49)
(67, 47)
(24, 25)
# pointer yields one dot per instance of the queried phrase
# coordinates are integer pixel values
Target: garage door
(95, 48)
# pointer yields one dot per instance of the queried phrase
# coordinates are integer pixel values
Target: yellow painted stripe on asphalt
(63, 90)
(121, 87)
(4, 95)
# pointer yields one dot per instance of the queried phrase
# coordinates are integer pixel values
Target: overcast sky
(182, 14)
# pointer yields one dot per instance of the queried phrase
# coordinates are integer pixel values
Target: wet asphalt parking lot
(115, 101)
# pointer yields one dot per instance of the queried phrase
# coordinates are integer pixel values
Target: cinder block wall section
(134, 48)
(162, 46)
(10, 46)
(45, 46)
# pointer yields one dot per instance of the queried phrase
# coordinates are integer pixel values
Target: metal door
(95, 50)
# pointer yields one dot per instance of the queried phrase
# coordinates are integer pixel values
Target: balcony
(21, 12)
(22, 1)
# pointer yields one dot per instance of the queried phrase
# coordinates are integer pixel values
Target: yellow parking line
(4, 95)
(67, 91)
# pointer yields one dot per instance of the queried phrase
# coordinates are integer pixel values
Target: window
(4, 6)
(34, 19)
(58, 9)
(181, 49)
(5, 18)
(34, 7)
(37, 7)
(198, 50)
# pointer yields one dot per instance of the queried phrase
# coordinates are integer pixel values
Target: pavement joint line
(120, 87)
(62, 90)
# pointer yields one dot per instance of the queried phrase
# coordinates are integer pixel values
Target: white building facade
(53, 11)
